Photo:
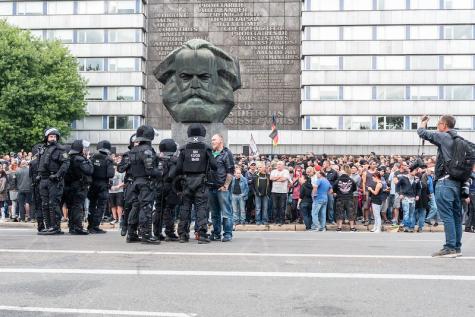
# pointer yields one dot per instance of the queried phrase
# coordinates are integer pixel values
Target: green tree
(39, 88)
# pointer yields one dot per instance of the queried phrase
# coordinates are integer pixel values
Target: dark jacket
(331, 176)
(23, 180)
(224, 166)
(344, 187)
(405, 188)
(444, 143)
(306, 192)
(262, 188)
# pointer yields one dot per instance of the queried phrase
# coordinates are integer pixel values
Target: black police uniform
(145, 172)
(35, 181)
(53, 165)
(76, 182)
(123, 167)
(99, 190)
(167, 198)
(194, 161)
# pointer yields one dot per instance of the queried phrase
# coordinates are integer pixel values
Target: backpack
(460, 166)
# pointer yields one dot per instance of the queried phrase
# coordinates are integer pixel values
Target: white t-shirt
(280, 187)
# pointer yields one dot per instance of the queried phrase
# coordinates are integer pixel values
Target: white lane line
(227, 254)
(353, 240)
(92, 311)
(241, 274)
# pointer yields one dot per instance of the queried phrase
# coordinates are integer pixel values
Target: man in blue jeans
(447, 190)
(321, 188)
(219, 196)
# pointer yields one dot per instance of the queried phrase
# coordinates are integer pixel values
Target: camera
(418, 163)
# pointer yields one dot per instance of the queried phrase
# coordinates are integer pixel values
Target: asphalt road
(258, 274)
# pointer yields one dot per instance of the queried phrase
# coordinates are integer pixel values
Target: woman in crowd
(305, 198)
(261, 189)
(376, 192)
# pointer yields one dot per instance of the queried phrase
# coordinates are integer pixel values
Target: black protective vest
(195, 161)
(75, 174)
(101, 165)
(137, 166)
(50, 160)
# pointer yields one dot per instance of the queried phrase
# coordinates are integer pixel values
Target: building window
(391, 123)
(324, 122)
(357, 123)
(458, 92)
(60, 7)
(123, 65)
(391, 62)
(357, 62)
(358, 5)
(390, 92)
(124, 36)
(458, 32)
(458, 62)
(393, 32)
(464, 123)
(323, 92)
(122, 94)
(64, 36)
(6, 8)
(322, 5)
(424, 92)
(357, 92)
(91, 64)
(458, 4)
(322, 63)
(123, 122)
(121, 7)
(95, 93)
(91, 36)
(359, 33)
(29, 8)
(88, 123)
(322, 33)
(391, 4)
(428, 62)
(425, 4)
(91, 7)
(425, 32)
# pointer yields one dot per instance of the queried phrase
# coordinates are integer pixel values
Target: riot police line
(155, 184)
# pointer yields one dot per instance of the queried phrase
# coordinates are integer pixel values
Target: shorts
(116, 200)
(343, 205)
(397, 201)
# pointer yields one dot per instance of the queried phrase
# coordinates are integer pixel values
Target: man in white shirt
(280, 178)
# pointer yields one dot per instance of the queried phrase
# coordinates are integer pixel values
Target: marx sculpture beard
(199, 82)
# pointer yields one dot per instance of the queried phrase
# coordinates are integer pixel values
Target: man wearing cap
(99, 191)
(53, 165)
(76, 181)
(145, 173)
(194, 162)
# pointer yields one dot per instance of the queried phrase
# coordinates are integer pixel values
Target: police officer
(167, 199)
(35, 181)
(194, 161)
(123, 167)
(99, 191)
(76, 181)
(145, 173)
(53, 165)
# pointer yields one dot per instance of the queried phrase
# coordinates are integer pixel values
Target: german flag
(274, 135)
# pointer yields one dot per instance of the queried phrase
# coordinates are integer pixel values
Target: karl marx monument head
(199, 80)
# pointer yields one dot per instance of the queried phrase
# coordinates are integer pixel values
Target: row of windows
(392, 62)
(389, 32)
(108, 123)
(462, 92)
(377, 123)
(122, 93)
(98, 64)
(92, 35)
(70, 7)
(337, 5)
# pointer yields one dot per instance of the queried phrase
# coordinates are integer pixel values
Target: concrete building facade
(341, 76)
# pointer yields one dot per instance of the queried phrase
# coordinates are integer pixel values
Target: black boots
(96, 230)
(149, 238)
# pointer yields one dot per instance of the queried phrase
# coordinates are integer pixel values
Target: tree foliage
(40, 87)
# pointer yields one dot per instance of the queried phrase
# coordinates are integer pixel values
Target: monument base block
(179, 132)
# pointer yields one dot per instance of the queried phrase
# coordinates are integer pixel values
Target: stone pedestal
(180, 136)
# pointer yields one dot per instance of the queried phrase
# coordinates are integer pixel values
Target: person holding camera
(455, 159)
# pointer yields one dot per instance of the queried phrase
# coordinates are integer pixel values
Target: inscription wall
(263, 34)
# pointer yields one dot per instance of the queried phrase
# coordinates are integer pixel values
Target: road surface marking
(92, 311)
(241, 274)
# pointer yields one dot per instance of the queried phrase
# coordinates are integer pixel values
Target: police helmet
(104, 147)
(145, 133)
(77, 147)
(132, 141)
(196, 129)
(167, 146)
(51, 131)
